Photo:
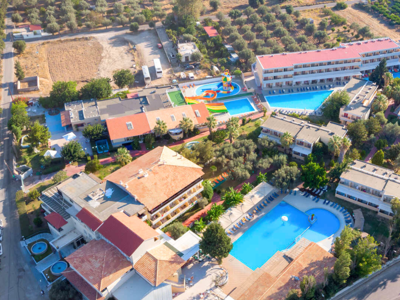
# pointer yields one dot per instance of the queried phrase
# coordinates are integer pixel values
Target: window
(173, 118)
(129, 125)
(197, 113)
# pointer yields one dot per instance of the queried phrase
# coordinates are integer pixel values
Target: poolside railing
(297, 238)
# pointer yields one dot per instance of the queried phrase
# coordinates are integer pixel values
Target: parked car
(196, 64)
(1, 235)
(1, 249)
(1, 223)
(191, 76)
(172, 55)
(159, 46)
(189, 67)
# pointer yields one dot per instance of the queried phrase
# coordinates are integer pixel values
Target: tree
(239, 45)
(342, 268)
(286, 140)
(365, 32)
(19, 72)
(63, 290)
(39, 134)
(19, 120)
(96, 88)
(378, 158)
(373, 126)
(232, 127)
(215, 242)
(17, 132)
(215, 212)
(357, 132)
(123, 157)
(290, 24)
(93, 165)
(331, 107)
(72, 151)
(118, 8)
(254, 3)
(249, 36)
(53, 27)
(196, 56)
(34, 194)
(186, 125)
(286, 176)
(365, 257)
(263, 10)
(176, 230)
(393, 152)
(380, 103)
(310, 29)
(378, 73)
(161, 128)
(190, 8)
(338, 169)
(211, 123)
(215, 4)
(391, 131)
(380, 116)
(107, 22)
(249, 11)
(321, 36)
(345, 146)
(72, 25)
(62, 92)
(123, 78)
(208, 191)
(344, 241)
(280, 32)
(235, 13)
(308, 286)
(60, 176)
(93, 132)
(246, 188)
(334, 145)
(16, 18)
(232, 198)
(20, 46)
(313, 175)
(289, 9)
(134, 27)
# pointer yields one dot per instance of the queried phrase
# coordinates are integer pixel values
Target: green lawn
(50, 276)
(177, 98)
(107, 170)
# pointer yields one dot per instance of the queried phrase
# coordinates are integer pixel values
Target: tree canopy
(123, 78)
(72, 151)
(313, 175)
(331, 107)
(62, 92)
(377, 74)
(39, 134)
(97, 88)
(215, 242)
(93, 132)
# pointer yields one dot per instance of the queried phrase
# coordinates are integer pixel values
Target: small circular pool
(326, 225)
(58, 267)
(39, 248)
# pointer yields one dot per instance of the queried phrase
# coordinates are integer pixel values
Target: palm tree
(380, 103)
(388, 78)
(246, 188)
(286, 140)
(123, 156)
(161, 128)
(346, 144)
(211, 123)
(232, 198)
(215, 212)
(186, 124)
(199, 225)
(334, 145)
(261, 178)
(232, 127)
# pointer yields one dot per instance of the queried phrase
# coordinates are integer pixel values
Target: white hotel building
(326, 66)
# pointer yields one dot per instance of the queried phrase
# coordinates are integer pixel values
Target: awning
(52, 154)
(188, 244)
(364, 196)
(66, 239)
(302, 150)
(65, 118)
(70, 136)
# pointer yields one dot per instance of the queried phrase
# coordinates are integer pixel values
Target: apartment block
(305, 134)
(369, 186)
(362, 94)
(324, 66)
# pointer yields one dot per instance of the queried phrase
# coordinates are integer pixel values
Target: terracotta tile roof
(35, 27)
(211, 31)
(89, 219)
(118, 127)
(158, 264)
(203, 112)
(100, 263)
(81, 285)
(126, 233)
(312, 260)
(65, 118)
(56, 220)
(167, 174)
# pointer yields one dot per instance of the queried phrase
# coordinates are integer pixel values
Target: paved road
(17, 282)
(385, 286)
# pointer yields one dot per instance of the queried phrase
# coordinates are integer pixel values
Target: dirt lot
(379, 27)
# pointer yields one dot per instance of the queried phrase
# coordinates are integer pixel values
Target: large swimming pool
(270, 234)
(217, 86)
(237, 107)
(311, 100)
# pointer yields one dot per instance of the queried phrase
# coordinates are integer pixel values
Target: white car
(1, 249)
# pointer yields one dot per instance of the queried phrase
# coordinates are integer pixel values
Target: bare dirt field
(378, 27)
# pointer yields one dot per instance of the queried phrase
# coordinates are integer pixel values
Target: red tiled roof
(126, 233)
(81, 285)
(203, 111)
(100, 263)
(65, 118)
(211, 31)
(118, 128)
(132, 95)
(345, 51)
(170, 173)
(89, 219)
(35, 27)
(56, 220)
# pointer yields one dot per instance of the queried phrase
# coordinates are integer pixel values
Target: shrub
(293, 164)
(34, 194)
(203, 203)
(37, 221)
(219, 136)
(378, 158)
(340, 5)
(381, 143)
(176, 230)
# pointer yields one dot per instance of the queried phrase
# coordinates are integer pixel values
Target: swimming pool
(311, 100)
(217, 86)
(237, 107)
(102, 146)
(54, 123)
(270, 234)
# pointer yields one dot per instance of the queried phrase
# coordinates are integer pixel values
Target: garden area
(40, 257)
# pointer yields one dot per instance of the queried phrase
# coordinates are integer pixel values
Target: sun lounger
(333, 203)
(317, 200)
(236, 227)
(338, 207)
(260, 207)
(327, 203)
(238, 224)
(308, 195)
(241, 222)
(302, 193)
(265, 203)
(295, 192)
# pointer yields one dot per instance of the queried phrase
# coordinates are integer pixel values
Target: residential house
(186, 50)
(304, 133)
(369, 186)
(324, 66)
(362, 94)
(211, 31)
(78, 114)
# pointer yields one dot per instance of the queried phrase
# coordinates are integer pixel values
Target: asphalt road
(385, 286)
(17, 281)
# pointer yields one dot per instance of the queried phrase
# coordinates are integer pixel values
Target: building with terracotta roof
(369, 186)
(123, 129)
(165, 182)
(326, 66)
(55, 220)
(304, 133)
(211, 31)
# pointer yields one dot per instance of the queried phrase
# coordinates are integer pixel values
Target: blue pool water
(39, 248)
(217, 86)
(270, 234)
(54, 123)
(102, 146)
(59, 267)
(240, 106)
(311, 100)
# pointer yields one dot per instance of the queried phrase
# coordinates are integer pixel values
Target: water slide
(212, 107)
(203, 97)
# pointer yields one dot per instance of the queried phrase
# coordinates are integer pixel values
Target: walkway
(387, 113)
